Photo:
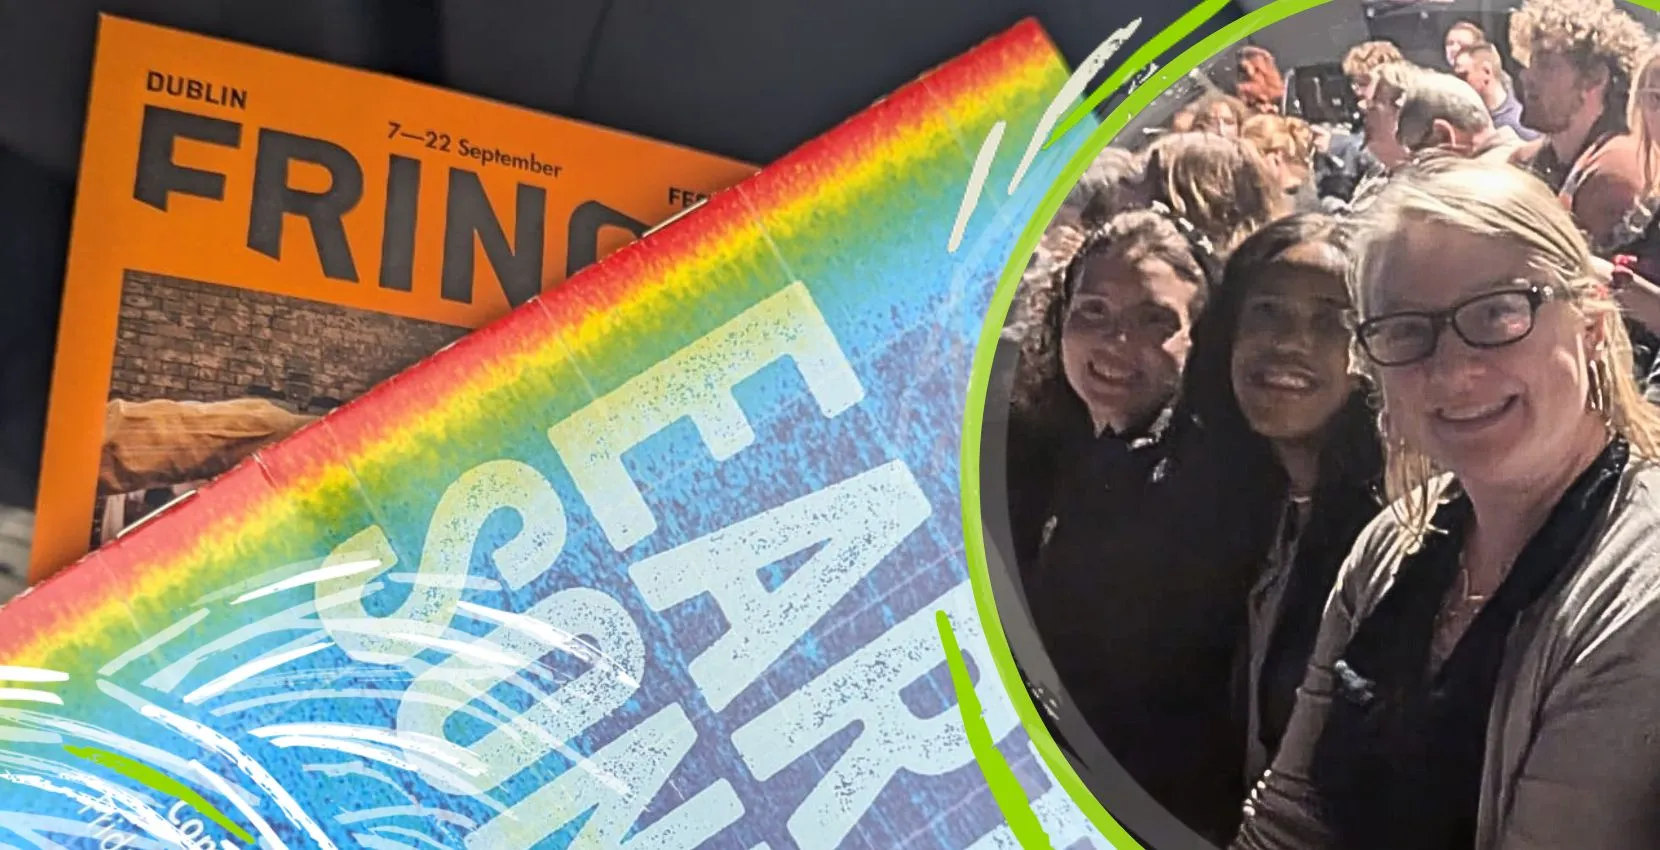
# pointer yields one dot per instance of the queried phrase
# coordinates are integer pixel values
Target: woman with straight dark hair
(1293, 428)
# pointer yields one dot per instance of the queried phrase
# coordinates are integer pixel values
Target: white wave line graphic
(20, 735)
(375, 842)
(488, 653)
(309, 577)
(372, 752)
(225, 747)
(407, 833)
(284, 698)
(129, 805)
(31, 674)
(300, 617)
(29, 695)
(338, 769)
(29, 825)
(548, 634)
(327, 676)
(152, 643)
(228, 791)
(466, 581)
(251, 669)
(407, 811)
(414, 742)
(110, 740)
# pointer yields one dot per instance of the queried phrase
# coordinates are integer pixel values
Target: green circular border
(997, 312)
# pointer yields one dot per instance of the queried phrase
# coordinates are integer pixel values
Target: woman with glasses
(1487, 673)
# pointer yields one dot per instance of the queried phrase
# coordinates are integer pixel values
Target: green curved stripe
(980, 378)
(1155, 47)
(152, 778)
(1000, 778)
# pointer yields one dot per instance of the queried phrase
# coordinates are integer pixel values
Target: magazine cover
(670, 557)
(259, 238)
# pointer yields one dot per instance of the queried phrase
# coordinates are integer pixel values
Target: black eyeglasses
(1489, 320)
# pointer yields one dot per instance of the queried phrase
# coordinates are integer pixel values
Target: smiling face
(1126, 336)
(1495, 417)
(1290, 364)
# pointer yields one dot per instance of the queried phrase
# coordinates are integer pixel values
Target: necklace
(1460, 608)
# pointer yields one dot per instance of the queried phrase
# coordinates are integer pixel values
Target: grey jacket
(1573, 740)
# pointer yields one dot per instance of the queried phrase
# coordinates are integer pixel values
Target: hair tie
(1203, 250)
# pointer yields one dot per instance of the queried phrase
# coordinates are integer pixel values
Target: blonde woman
(1639, 233)
(1487, 674)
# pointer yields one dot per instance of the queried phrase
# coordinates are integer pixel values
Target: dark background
(749, 79)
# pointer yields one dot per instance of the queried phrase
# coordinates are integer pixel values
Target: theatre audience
(1219, 184)
(1381, 101)
(1217, 113)
(1462, 36)
(1199, 467)
(1362, 60)
(1287, 149)
(1480, 68)
(1578, 58)
(1440, 111)
(1261, 87)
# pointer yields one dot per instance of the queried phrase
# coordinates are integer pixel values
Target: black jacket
(1139, 597)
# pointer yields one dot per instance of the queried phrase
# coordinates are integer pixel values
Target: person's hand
(1322, 137)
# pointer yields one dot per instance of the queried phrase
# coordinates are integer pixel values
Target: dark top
(1326, 534)
(1139, 599)
(1552, 167)
(1401, 758)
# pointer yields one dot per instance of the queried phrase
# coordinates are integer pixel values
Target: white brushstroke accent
(104, 738)
(446, 815)
(548, 634)
(465, 581)
(388, 694)
(152, 643)
(339, 769)
(31, 825)
(309, 577)
(229, 792)
(976, 185)
(376, 753)
(414, 742)
(29, 695)
(225, 747)
(251, 669)
(17, 735)
(132, 807)
(1069, 93)
(300, 617)
(474, 651)
(408, 833)
(375, 842)
(31, 674)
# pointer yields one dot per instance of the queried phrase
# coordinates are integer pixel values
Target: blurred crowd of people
(1333, 450)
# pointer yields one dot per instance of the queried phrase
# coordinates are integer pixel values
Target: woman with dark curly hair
(1100, 360)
